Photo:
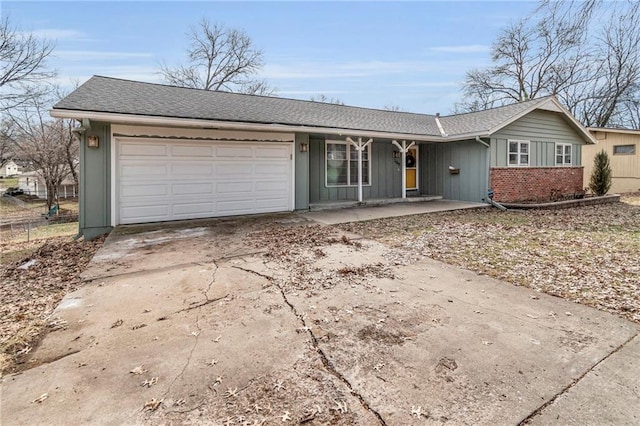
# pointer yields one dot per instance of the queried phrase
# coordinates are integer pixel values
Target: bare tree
(47, 143)
(326, 100)
(585, 53)
(6, 145)
(219, 58)
(22, 63)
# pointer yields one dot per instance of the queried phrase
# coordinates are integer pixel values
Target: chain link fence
(27, 218)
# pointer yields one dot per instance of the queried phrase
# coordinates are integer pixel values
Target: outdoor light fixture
(396, 154)
(93, 141)
(304, 147)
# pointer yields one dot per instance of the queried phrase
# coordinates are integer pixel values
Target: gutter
(224, 125)
(482, 142)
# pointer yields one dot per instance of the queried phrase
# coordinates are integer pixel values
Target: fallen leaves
(588, 255)
(138, 370)
(28, 296)
(40, 398)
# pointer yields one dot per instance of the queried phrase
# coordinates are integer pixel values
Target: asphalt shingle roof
(111, 95)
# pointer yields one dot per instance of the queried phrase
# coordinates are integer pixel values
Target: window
(342, 164)
(624, 150)
(563, 154)
(518, 153)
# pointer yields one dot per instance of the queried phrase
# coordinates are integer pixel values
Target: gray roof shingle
(111, 95)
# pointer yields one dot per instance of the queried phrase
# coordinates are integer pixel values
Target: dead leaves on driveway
(589, 255)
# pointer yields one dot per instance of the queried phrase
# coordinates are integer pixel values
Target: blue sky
(409, 54)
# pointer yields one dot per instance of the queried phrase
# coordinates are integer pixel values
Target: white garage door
(160, 180)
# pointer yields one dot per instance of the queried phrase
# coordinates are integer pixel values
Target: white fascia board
(612, 130)
(236, 125)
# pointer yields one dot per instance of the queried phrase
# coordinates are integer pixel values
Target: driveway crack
(184, 367)
(575, 381)
(328, 365)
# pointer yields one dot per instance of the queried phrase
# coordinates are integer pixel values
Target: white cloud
(86, 55)
(469, 48)
(59, 34)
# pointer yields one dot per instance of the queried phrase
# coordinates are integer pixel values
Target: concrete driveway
(276, 320)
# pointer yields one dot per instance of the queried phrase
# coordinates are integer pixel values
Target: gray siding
(95, 183)
(543, 129)
(302, 173)
(468, 156)
(385, 175)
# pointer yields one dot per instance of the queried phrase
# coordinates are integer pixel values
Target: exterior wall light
(396, 154)
(304, 147)
(93, 141)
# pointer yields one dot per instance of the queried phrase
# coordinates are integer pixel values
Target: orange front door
(411, 173)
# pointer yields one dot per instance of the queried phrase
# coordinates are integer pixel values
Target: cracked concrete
(315, 328)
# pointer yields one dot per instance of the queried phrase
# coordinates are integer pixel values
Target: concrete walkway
(358, 214)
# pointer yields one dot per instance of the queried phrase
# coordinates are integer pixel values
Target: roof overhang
(611, 130)
(147, 120)
(550, 104)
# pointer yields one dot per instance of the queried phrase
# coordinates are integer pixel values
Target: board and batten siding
(95, 183)
(385, 175)
(625, 167)
(469, 157)
(543, 129)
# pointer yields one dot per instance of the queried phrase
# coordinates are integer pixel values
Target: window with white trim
(518, 154)
(342, 164)
(624, 150)
(563, 154)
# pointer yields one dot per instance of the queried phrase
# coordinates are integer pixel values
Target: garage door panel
(148, 212)
(146, 170)
(235, 206)
(234, 152)
(270, 170)
(234, 187)
(203, 189)
(272, 186)
(191, 151)
(272, 152)
(187, 170)
(185, 180)
(271, 203)
(143, 149)
(144, 190)
(189, 209)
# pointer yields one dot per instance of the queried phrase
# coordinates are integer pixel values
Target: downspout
(489, 198)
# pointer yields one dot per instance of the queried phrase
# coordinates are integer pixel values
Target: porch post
(404, 149)
(359, 146)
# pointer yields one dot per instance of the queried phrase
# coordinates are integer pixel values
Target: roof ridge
(265, 96)
(530, 101)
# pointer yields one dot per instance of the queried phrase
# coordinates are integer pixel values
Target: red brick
(517, 184)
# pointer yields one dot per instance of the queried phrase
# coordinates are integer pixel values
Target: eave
(118, 118)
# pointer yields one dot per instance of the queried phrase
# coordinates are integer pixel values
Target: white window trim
(519, 142)
(350, 148)
(555, 155)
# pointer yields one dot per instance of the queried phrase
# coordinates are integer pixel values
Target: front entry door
(411, 174)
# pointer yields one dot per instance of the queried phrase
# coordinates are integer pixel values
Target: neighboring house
(32, 184)
(153, 153)
(623, 147)
(9, 169)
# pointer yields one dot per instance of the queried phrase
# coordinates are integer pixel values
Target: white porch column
(404, 149)
(359, 146)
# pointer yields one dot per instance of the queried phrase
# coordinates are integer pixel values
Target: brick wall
(516, 184)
